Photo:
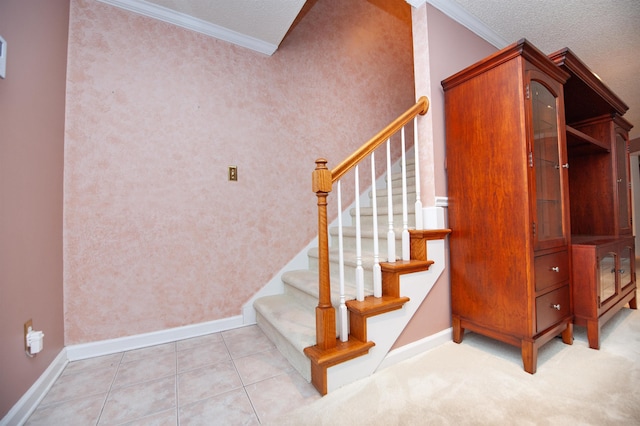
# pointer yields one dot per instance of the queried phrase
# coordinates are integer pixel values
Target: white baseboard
(121, 344)
(415, 348)
(21, 411)
(25, 406)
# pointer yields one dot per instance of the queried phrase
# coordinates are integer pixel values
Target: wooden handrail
(322, 181)
(421, 107)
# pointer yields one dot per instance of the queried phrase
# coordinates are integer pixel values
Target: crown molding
(162, 13)
(456, 12)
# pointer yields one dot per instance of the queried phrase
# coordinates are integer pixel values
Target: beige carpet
(481, 382)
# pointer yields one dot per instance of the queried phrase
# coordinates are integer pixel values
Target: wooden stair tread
(429, 234)
(371, 306)
(343, 351)
(406, 266)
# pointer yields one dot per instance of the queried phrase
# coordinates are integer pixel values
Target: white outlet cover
(3, 57)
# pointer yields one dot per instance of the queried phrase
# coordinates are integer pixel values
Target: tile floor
(228, 378)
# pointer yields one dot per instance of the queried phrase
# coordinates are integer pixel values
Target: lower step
(290, 327)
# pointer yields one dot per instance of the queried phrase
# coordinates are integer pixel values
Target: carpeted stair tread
(350, 232)
(349, 257)
(382, 192)
(295, 323)
(382, 211)
(306, 282)
(411, 174)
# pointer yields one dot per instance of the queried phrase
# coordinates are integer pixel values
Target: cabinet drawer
(551, 269)
(552, 307)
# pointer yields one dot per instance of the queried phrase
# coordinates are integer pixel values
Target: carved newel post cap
(321, 177)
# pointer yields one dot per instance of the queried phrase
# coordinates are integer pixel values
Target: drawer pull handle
(556, 306)
(555, 269)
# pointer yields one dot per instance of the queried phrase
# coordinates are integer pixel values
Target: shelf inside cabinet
(579, 143)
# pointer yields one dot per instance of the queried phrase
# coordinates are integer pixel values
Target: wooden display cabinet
(533, 240)
(508, 200)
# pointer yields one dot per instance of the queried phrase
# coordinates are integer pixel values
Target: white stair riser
(309, 296)
(396, 180)
(310, 299)
(306, 299)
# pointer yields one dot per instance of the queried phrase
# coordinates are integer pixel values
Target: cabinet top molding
(521, 48)
(588, 95)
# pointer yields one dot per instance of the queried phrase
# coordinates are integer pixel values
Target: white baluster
(344, 333)
(391, 235)
(359, 269)
(405, 216)
(418, 209)
(377, 271)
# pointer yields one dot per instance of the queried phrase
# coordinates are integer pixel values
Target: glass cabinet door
(548, 166)
(622, 182)
(608, 272)
(624, 268)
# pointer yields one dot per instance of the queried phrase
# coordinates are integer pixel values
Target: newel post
(325, 312)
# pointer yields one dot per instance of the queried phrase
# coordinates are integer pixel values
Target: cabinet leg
(458, 331)
(567, 334)
(593, 334)
(633, 303)
(529, 356)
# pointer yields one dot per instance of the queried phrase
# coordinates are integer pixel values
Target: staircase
(289, 319)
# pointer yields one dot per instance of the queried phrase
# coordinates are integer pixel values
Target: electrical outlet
(233, 173)
(27, 325)
(3, 58)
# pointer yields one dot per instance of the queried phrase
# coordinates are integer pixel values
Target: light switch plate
(233, 173)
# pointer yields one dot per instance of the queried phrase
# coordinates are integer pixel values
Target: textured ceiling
(604, 34)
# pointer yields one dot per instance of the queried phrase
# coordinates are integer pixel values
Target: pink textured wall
(31, 177)
(155, 236)
(450, 48)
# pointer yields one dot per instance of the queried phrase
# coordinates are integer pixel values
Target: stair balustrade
(322, 184)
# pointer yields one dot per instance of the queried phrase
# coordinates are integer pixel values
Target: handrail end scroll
(425, 101)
